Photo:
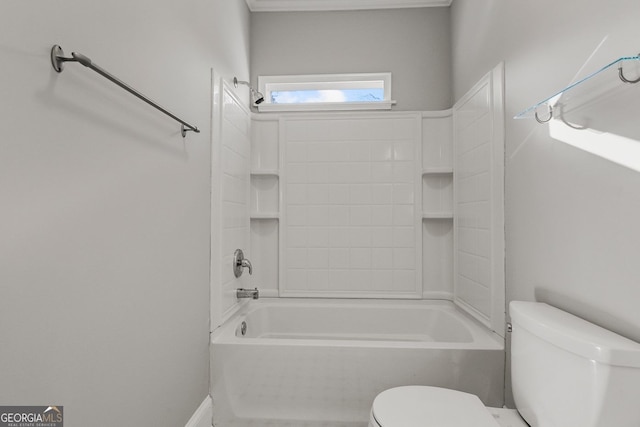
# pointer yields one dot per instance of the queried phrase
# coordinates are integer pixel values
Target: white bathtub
(319, 363)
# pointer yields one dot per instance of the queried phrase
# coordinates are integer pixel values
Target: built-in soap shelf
(265, 172)
(437, 192)
(264, 215)
(437, 215)
(265, 194)
(436, 170)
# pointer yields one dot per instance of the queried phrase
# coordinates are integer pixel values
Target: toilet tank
(567, 372)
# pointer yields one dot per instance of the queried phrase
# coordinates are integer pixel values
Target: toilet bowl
(424, 406)
(554, 357)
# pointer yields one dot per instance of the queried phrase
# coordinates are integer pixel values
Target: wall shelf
(437, 193)
(264, 215)
(264, 195)
(606, 80)
(437, 215)
(437, 170)
(265, 172)
(437, 205)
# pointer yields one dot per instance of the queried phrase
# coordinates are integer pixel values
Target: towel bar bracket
(57, 58)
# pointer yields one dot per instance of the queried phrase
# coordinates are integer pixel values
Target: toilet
(565, 372)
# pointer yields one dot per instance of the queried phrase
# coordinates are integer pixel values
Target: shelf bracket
(543, 121)
(623, 78)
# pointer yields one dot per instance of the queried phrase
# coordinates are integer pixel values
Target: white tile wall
(437, 256)
(264, 255)
(264, 145)
(265, 194)
(351, 206)
(473, 190)
(478, 188)
(437, 136)
(235, 165)
(437, 193)
(265, 203)
(437, 205)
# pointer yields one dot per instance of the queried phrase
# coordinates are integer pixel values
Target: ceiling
(316, 5)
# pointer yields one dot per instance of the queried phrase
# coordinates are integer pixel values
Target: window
(325, 92)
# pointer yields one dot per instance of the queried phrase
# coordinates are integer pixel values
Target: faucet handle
(240, 262)
(247, 264)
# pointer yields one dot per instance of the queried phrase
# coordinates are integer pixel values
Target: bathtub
(320, 363)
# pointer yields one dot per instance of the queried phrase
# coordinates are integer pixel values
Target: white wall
(351, 206)
(231, 183)
(265, 202)
(354, 163)
(478, 123)
(104, 248)
(413, 44)
(571, 217)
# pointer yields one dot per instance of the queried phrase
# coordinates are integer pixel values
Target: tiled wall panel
(351, 200)
(436, 142)
(478, 202)
(437, 205)
(235, 189)
(437, 256)
(473, 190)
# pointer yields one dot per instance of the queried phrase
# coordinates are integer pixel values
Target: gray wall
(105, 224)
(572, 233)
(413, 44)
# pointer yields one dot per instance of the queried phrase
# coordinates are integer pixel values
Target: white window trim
(267, 84)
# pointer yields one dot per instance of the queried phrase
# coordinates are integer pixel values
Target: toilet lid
(422, 406)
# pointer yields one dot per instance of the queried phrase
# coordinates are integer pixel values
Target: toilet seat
(423, 406)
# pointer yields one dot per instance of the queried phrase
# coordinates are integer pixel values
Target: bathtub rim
(483, 338)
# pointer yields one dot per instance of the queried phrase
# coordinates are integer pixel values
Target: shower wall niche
(437, 205)
(353, 205)
(265, 204)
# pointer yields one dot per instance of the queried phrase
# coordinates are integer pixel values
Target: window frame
(268, 84)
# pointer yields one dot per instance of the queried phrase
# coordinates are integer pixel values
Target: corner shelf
(437, 170)
(265, 172)
(437, 215)
(437, 193)
(585, 90)
(436, 210)
(265, 194)
(264, 215)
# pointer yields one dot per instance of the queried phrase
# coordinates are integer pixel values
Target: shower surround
(355, 213)
(353, 205)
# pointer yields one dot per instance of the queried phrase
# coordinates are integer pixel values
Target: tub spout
(247, 293)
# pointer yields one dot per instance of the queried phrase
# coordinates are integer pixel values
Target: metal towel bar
(57, 60)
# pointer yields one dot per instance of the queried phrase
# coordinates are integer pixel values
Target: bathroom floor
(504, 417)
(279, 423)
(507, 417)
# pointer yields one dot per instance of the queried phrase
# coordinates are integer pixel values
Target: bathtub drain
(243, 328)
